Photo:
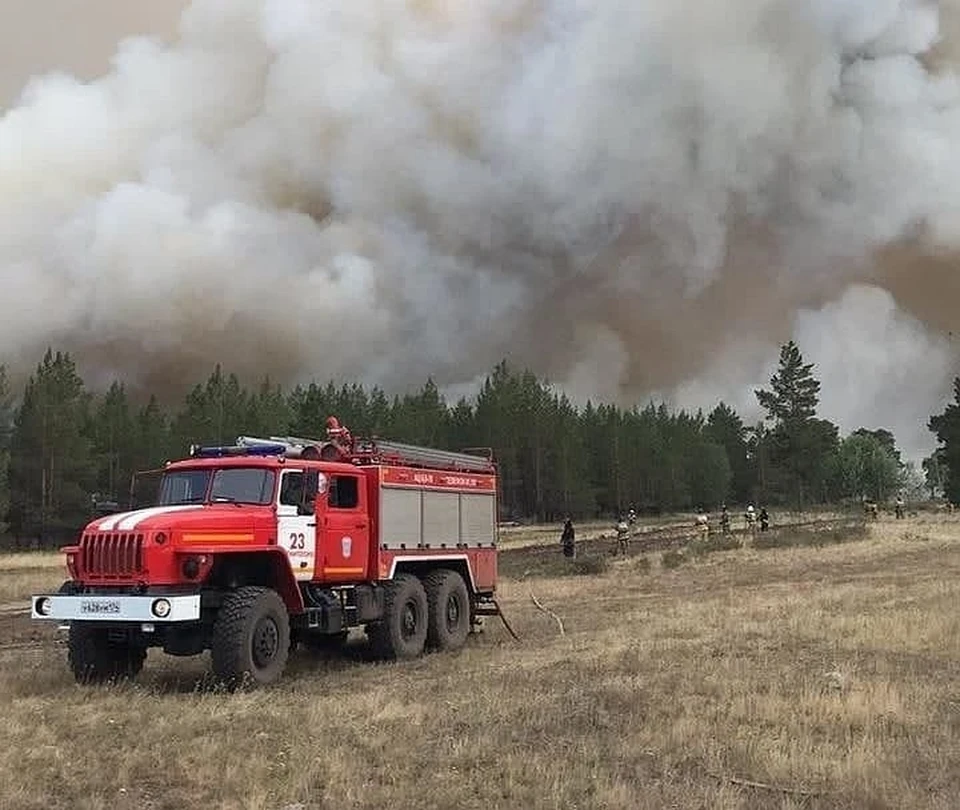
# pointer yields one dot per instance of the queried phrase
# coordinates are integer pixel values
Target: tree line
(62, 446)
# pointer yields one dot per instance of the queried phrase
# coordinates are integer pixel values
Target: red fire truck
(255, 547)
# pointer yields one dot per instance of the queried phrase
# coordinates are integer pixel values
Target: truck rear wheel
(402, 632)
(251, 637)
(95, 657)
(448, 610)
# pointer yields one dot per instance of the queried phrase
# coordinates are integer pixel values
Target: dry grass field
(803, 677)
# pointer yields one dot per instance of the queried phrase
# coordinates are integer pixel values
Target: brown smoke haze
(637, 199)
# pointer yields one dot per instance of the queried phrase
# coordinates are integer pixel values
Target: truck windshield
(231, 484)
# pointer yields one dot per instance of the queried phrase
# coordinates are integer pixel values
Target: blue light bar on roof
(197, 451)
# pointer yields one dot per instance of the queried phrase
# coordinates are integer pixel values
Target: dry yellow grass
(23, 573)
(829, 670)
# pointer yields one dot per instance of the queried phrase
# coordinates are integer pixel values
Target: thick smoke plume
(633, 197)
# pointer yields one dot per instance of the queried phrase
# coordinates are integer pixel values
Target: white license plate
(100, 607)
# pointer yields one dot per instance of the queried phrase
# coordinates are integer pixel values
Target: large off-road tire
(448, 610)
(251, 637)
(94, 657)
(402, 632)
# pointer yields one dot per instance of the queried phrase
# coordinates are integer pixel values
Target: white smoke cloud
(630, 196)
(878, 368)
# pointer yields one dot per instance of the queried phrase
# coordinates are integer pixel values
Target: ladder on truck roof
(411, 455)
(370, 451)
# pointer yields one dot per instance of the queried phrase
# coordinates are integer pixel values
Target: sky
(78, 36)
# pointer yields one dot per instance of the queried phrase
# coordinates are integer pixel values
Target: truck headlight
(160, 608)
(44, 606)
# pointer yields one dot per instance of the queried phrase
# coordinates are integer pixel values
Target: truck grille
(111, 555)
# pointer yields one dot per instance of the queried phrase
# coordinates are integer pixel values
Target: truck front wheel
(402, 632)
(95, 657)
(251, 637)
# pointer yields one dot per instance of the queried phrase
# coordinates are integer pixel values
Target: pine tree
(800, 444)
(572, 494)
(794, 392)
(726, 428)
(6, 427)
(379, 416)
(497, 409)
(52, 468)
(422, 418)
(114, 441)
(309, 408)
(214, 413)
(710, 475)
(946, 426)
(153, 445)
(268, 411)
(554, 458)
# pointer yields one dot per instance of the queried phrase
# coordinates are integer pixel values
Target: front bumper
(119, 608)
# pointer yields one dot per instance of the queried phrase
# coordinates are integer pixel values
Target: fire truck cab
(259, 546)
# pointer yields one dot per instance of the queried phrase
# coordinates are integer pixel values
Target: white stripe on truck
(125, 521)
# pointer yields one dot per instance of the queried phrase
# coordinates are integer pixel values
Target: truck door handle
(360, 525)
(312, 524)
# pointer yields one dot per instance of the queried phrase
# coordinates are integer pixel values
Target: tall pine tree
(215, 413)
(801, 445)
(946, 426)
(726, 428)
(6, 427)
(114, 443)
(52, 466)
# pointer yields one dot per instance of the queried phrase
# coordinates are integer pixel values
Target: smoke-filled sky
(635, 197)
